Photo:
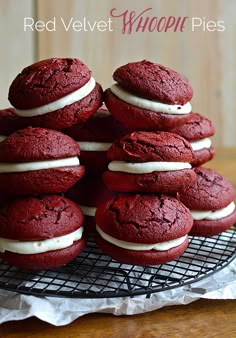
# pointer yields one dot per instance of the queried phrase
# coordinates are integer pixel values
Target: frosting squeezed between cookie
(94, 146)
(140, 102)
(64, 101)
(201, 144)
(147, 167)
(35, 247)
(213, 215)
(141, 247)
(39, 165)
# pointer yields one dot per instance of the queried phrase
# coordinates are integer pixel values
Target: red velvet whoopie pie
(211, 202)
(36, 161)
(149, 96)
(55, 93)
(143, 229)
(38, 233)
(197, 131)
(149, 162)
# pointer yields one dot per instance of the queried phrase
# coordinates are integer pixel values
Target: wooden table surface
(203, 318)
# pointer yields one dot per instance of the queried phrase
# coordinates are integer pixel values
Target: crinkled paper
(62, 311)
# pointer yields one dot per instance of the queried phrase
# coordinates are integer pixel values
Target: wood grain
(203, 318)
(17, 46)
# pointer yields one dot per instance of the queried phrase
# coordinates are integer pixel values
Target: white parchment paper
(62, 311)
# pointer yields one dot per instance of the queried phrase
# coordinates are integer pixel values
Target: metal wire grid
(94, 275)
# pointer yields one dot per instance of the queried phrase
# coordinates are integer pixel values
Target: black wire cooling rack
(94, 275)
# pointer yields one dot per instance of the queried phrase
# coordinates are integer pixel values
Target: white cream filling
(201, 144)
(141, 247)
(88, 211)
(94, 146)
(147, 167)
(67, 100)
(140, 102)
(213, 215)
(32, 166)
(35, 247)
(2, 138)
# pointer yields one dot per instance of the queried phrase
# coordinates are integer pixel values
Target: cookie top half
(210, 191)
(196, 128)
(37, 144)
(143, 146)
(144, 218)
(154, 82)
(46, 81)
(36, 218)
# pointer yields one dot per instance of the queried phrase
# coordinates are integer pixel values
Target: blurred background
(207, 58)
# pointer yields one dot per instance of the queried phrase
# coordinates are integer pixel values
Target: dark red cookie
(101, 128)
(31, 146)
(9, 122)
(143, 219)
(89, 193)
(210, 192)
(198, 128)
(155, 83)
(209, 228)
(47, 81)
(150, 149)
(36, 220)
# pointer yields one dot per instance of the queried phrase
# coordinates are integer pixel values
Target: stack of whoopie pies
(128, 170)
(39, 227)
(168, 195)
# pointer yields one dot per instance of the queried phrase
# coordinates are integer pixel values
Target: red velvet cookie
(55, 93)
(89, 193)
(149, 162)
(94, 137)
(9, 122)
(210, 199)
(37, 161)
(32, 232)
(197, 131)
(143, 229)
(149, 96)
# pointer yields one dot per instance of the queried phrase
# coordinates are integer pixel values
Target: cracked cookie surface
(143, 218)
(42, 218)
(151, 146)
(196, 128)
(141, 147)
(37, 218)
(155, 82)
(37, 144)
(46, 81)
(210, 191)
(32, 145)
